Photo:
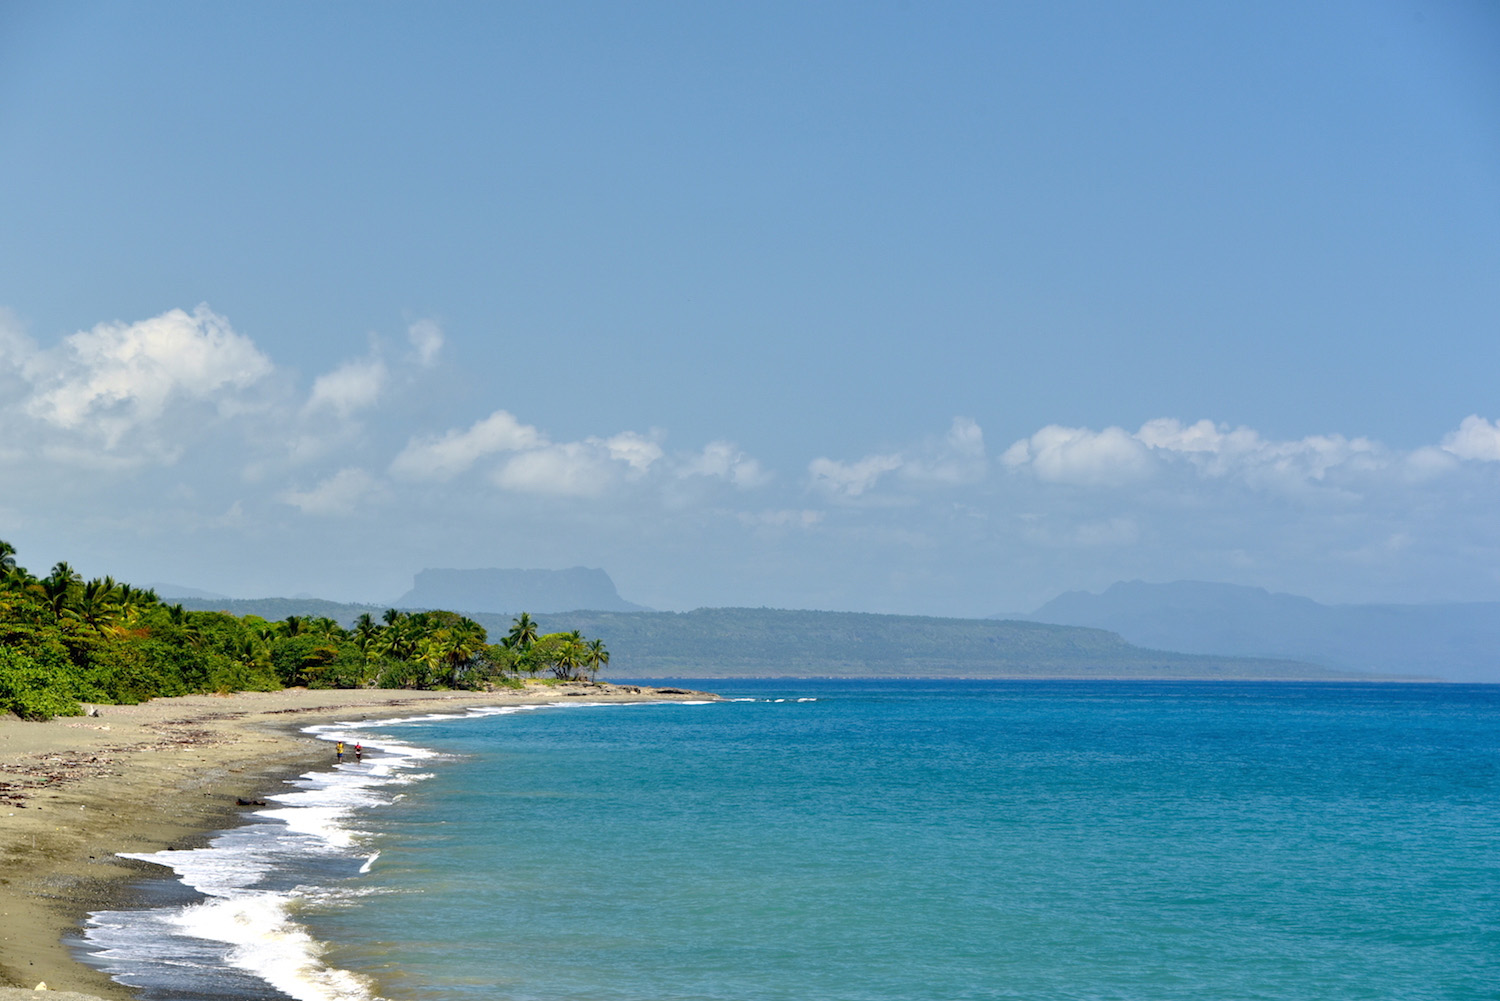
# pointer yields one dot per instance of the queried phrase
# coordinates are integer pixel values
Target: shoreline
(75, 791)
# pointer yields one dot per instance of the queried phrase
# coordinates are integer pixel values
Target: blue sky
(938, 308)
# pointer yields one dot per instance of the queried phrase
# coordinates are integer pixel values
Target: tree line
(65, 640)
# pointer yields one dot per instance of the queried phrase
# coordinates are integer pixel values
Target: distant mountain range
(765, 642)
(769, 642)
(1187, 629)
(1456, 642)
(172, 592)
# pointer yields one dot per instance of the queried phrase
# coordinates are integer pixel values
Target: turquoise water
(859, 840)
(945, 841)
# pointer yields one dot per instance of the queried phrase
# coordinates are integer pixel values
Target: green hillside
(766, 642)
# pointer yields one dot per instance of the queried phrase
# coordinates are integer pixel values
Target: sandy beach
(76, 791)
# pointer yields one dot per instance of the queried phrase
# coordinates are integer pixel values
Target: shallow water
(866, 840)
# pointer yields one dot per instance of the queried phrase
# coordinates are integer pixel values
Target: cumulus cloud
(118, 377)
(584, 468)
(1114, 457)
(340, 494)
(443, 457)
(1081, 456)
(427, 338)
(725, 461)
(955, 459)
(572, 469)
(635, 450)
(352, 386)
(529, 462)
(1476, 439)
(850, 479)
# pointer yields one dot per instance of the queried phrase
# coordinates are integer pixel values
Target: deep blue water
(913, 841)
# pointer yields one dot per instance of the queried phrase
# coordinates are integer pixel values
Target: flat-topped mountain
(508, 592)
(1455, 641)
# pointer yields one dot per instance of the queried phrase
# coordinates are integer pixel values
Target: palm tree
(7, 559)
(365, 631)
(596, 657)
(128, 601)
(96, 603)
(397, 640)
(58, 587)
(326, 629)
(569, 654)
(467, 641)
(192, 629)
(523, 632)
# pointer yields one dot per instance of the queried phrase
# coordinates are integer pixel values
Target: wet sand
(166, 773)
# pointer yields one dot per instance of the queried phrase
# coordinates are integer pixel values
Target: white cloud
(850, 479)
(1114, 457)
(578, 468)
(572, 469)
(1243, 452)
(958, 458)
(1428, 463)
(444, 457)
(724, 460)
(352, 386)
(1081, 456)
(117, 377)
(427, 338)
(339, 494)
(636, 451)
(1476, 438)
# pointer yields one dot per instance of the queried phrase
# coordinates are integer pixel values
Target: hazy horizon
(857, 307)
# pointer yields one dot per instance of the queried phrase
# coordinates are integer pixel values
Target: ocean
(864, 841)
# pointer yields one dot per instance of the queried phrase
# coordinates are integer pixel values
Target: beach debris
(41, 986)
(242, 801)
(59, 768)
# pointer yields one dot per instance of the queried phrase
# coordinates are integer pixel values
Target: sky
(932, 308)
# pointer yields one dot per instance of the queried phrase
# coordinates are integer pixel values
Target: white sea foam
(247, 921)
(265, 941)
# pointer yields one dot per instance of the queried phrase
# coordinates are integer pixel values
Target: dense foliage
(65, 640)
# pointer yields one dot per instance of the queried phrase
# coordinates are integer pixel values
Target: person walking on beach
(359, 753)
(338, 752)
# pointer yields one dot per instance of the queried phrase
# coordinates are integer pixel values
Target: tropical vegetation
(65, 640)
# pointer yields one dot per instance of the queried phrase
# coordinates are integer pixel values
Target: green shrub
(34, 689)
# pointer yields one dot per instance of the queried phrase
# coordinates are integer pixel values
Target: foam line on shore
(247, 920)
(253, 879)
